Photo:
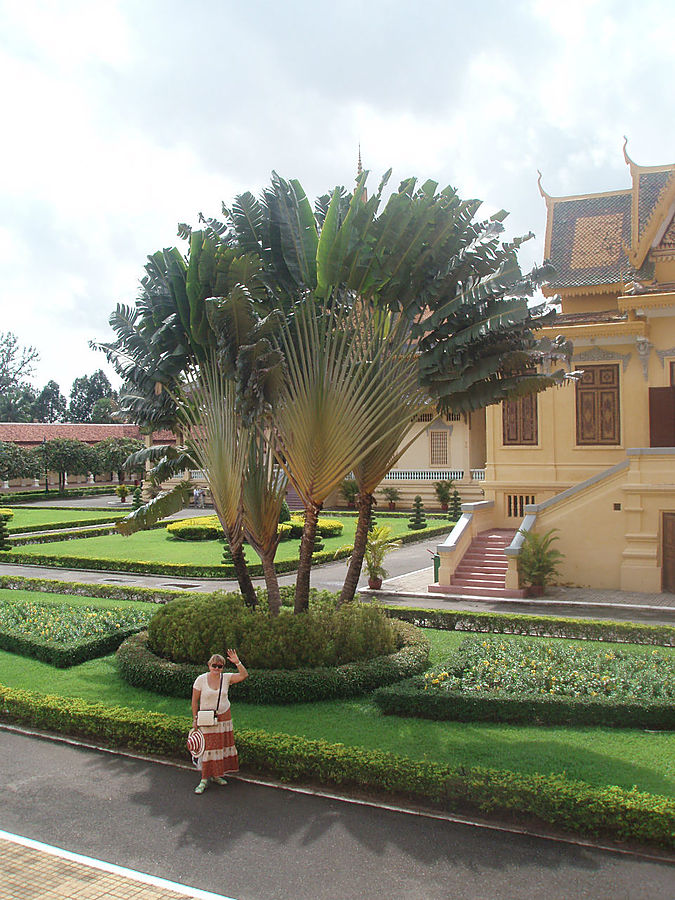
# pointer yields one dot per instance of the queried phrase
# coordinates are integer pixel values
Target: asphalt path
(254, 842)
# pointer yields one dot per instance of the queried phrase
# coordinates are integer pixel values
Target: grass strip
(624, 815)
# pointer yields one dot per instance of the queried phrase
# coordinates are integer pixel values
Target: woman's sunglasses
(216, 665)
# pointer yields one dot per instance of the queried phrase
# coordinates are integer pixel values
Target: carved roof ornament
(597, 354)
(543, 193)
(629, 161)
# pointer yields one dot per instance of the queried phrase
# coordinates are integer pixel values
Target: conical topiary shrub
(227, 555)
(455, 509)
(4, 534)
(418, 519)
(138, 497)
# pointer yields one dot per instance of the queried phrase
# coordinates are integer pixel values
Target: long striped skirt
(220, 753)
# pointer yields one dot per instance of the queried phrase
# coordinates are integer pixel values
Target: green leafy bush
(284, 513)
(326, 528)
(6, 513)
(142, 668)
(553, 799)
(193, 630)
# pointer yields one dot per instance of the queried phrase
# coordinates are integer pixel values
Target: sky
(122, 118)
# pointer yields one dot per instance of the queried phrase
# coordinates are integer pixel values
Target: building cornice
(646, 302)
(619, 330)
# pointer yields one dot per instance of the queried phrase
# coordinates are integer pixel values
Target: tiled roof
(587, 239)
(32, 433)
(590, 318)
(650, 186)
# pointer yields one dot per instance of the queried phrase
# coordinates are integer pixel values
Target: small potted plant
(391, 494)
(378, 544)
(122, 492)
(443, 493)
(349, 489)
(538, 561)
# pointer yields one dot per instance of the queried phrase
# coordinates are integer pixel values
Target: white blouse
(209, 697)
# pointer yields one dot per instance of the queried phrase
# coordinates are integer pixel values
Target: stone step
(469, 591)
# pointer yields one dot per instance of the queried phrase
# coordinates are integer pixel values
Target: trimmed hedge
(141, 668)
(64, 655)
(18, 497)
(55, 526)
(49, 536)
(536, 626)
(111, 591)
(552, 799)
(411, 700)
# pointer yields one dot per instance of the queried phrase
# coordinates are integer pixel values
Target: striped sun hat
(195, 742)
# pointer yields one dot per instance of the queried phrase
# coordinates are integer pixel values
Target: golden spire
(359, 172)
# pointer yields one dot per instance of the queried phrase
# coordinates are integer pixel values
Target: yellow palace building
(595, 459)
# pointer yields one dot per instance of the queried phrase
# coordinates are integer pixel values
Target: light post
(44, 453)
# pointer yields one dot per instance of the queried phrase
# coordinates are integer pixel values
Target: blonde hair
(217, 658)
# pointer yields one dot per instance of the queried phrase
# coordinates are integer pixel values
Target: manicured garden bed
(27, 520)
(154, 551)
(65, 631)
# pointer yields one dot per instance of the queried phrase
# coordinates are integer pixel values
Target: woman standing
(209, 692)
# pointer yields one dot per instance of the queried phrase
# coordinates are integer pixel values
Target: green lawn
(54, 518)
(157, 546)
(597, 756)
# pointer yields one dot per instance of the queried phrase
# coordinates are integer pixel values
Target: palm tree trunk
(365, 504)
(272, 583)
(305, 562)
(243, 576)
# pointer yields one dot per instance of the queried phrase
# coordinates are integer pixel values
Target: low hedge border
(140, 667)
(64, 655)
(536, 626)
(110, 591)
(27, 496)
(412, 700)
(56, 526)
(574, 806)
(49, 536)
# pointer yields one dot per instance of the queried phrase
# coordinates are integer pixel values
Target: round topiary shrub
(202, 528)
(140, 667)
(191, 630)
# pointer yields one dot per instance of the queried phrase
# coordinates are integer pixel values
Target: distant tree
(67, 456)
(84, 394)
(112, 454)
(16, 367)
(11, 461)
(103, 410)
(50, 404)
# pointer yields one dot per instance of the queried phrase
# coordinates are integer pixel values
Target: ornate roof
(604, 240)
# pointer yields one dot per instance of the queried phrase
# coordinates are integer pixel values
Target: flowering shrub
(525, 667)
(59, 623)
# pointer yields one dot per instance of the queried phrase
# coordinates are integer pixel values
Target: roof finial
(541, 189)
(359, 167)
(629, 161)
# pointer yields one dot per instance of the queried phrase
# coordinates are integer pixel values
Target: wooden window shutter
(519, 421)
(598, 419)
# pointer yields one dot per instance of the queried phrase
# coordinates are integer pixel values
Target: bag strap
(219, 691)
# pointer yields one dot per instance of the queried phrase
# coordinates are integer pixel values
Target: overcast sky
(121, 119)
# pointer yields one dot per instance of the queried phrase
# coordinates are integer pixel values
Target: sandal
(201, 787)
(218, 779)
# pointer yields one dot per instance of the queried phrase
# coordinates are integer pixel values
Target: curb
(356, 801)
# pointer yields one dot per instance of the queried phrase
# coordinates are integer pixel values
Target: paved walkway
(30, 870)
